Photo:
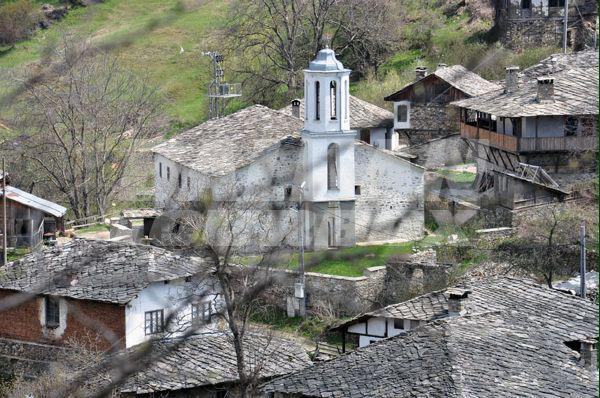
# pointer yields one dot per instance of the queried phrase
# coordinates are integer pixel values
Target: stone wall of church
(389, 200)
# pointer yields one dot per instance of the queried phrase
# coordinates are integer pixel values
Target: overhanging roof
(30, 200)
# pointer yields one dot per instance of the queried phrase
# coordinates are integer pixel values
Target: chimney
(512, 79)
(588, 353)
(456, 301)
(420, 72)
(296, 108)
(545, 89)
(441, 65)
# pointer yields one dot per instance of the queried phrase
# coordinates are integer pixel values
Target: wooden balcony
(540, 144)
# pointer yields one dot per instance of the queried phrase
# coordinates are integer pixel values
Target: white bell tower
(328, 152)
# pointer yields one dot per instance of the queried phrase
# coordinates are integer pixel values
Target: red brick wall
(23, 322)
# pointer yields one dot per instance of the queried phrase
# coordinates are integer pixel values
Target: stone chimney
(512, 79)
(420, 72)
(296, 108)
(456, 301)
(545, 89)
(441, 65)
(588, 353)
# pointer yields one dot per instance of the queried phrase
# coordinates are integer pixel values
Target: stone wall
(389, 205)
(24, 358)
(407, 278)
(439, 152)
(427, 122)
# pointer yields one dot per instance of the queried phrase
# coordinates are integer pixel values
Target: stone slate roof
(575, 93)
(107, 271)
(219, 146)
(363, 114)
(209, 360)
(574, 318)
(556, 63)
(458, 77)
(497, 354)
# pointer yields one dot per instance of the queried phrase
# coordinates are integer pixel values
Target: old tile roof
(363, 114)
(575, 93)
(575, 317)
(219, 146)
(34, 202)
(107, 271)
(208, 360)
(514, 345)
(458, 77)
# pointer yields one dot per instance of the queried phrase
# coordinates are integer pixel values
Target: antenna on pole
(218, 91)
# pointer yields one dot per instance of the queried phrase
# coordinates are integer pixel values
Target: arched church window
(333, 99)
(347, 97)
(317, 100)
(332, 166)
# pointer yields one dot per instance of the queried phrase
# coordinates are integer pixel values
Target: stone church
(348, 191)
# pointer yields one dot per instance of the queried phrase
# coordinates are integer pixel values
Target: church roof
(326, 62)
(220, 146)
(363, 114)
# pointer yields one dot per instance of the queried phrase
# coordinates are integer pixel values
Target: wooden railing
(540, 144)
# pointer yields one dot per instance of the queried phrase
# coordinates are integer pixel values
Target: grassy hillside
(181, 77)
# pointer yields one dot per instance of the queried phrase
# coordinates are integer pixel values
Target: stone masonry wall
(28, 359)
(428, 121)
(445, 151)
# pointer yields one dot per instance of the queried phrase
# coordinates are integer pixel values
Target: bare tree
(83, 123)
(275, 39)
(547, 238)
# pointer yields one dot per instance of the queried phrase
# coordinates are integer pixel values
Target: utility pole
(566, 22)
(4, 237)
(582, 288)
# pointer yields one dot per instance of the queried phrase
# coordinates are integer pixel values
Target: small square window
(399, 324)
(52, 312)
(357, 189)
(154, 322)
(201, 312)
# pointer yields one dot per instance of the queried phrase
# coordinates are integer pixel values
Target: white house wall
(168, 297)
(390, 204)
(167, 194)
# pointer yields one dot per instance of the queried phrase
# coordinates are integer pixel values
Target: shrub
(17, 21)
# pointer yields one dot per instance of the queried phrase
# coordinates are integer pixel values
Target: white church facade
(350, 191)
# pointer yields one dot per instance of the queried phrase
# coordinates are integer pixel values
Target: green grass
(92, 229)
(181, 78)
(15, 254)
(457, 176)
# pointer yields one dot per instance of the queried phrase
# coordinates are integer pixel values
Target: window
(333, 99)
(556, 3)
(332, 167)
(571, 124)
(347, 100)
(52, 312)
(357, 189)
(168, 173)
(402, 113)
(154, 322)
(399, 324)
(160, 170)
(201, 312)
(317, 101)
(526, 4)
(189, 183)
(179, 180)
(288, 192)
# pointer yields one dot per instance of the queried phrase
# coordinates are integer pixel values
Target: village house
(507, 338)
(205, 366)
(461, 300)
(421, 111)
(535, 140)
(373, 125)
(30, 218)
(349, 191)
(85, 286)
(529, 23)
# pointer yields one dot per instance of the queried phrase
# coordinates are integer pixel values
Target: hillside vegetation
(170, 54)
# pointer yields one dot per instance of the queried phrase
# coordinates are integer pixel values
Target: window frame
(179, 180)
(52, 312)
(154, 322)
(333, 151)
(401, 321)
(317, 100)
(333, 100)
(405, 106)
(159, 169)
(168, 173)
(201, 313)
